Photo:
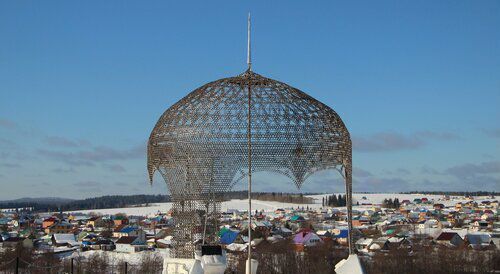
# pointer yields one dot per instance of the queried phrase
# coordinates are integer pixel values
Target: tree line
(335, 201)
(110, 201)
(282, 197)
(390, 203)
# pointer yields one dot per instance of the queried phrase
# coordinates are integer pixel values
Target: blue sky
(83, 83)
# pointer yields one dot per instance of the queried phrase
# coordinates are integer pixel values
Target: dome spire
(249, 52)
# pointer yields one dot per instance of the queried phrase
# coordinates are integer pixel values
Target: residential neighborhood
(467, 224)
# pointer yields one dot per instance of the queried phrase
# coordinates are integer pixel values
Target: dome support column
(348, 190)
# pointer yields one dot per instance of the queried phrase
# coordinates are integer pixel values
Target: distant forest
(119, 201)
(114, 201)
(296, 198)
(455, 193)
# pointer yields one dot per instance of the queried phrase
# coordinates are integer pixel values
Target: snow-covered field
(373, 198)
(164, 207)
(133, 211)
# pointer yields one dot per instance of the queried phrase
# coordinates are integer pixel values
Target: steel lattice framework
(199, 145)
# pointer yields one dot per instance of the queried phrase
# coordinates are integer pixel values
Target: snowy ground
(133, 211)
(373, 198)
(164, 207)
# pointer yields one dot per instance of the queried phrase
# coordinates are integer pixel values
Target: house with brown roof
(449, 238)
(59, 227)
(130, 244)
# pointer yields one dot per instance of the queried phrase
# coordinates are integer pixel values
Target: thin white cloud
(64, 142)
(391, 141)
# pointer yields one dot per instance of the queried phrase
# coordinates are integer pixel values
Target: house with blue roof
(228, 236)
(340, 235)
(127, 231)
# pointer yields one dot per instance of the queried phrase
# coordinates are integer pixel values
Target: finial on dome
(249, 53)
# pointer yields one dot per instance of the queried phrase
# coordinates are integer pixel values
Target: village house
(381, 243)
(282, 231)
(306, 238)
(340, 235)
(64, 239)
(95, 242)
(130, 244)
(450, 239)
(405, 202)
(59, 227)
(120, 220)
(481, 225)
(398, 242)
(264, 227)
(479, 241)
(363, 244)
(438, 206)
(125, 230)
(488, 214)
(325, 235)
(92, 222)
(49, 221)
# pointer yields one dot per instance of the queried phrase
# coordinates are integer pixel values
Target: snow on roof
(351, 265)
(65, 238)
(364, 241)
(395, 239)
(323, 232)
(479, 238)
(236, 247)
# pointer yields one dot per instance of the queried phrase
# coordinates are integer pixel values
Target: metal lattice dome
(292, 134)
(199, 145)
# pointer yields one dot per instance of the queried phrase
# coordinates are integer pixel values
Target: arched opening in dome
(330, 180)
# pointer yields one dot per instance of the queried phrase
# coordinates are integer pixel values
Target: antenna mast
(249, 45)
